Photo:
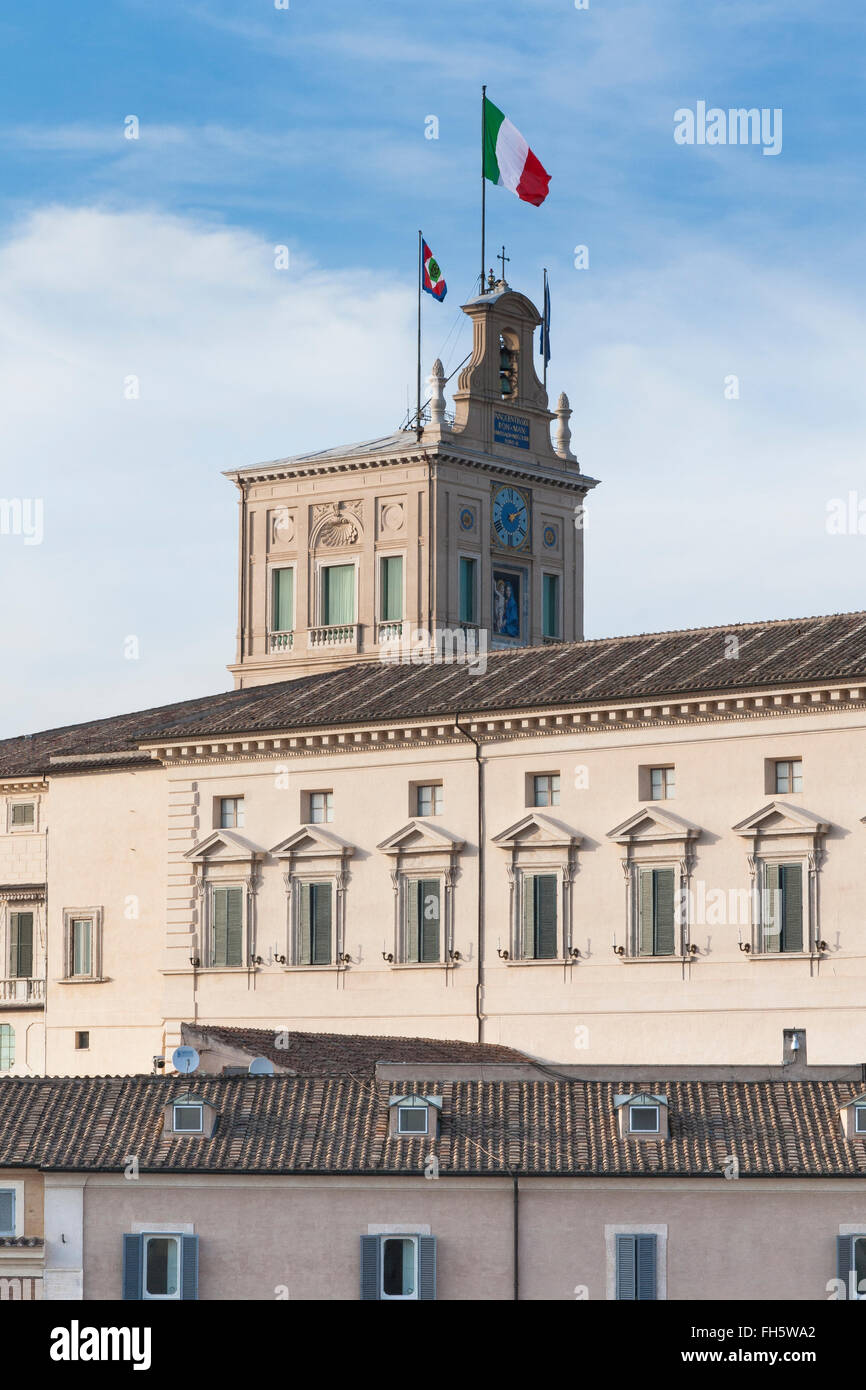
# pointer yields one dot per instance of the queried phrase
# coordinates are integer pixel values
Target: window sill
(786, 955)
(424, 964)
(212, 970)
(529, 960)
(657, 960)
(314, 969)
(84, 980)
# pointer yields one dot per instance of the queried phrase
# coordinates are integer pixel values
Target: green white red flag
(509, 160)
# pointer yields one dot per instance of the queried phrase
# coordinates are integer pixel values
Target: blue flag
(544, 337)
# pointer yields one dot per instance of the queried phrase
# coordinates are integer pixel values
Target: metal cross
(503, 258)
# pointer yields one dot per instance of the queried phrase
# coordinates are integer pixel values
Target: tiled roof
(342, 1054)
(651, 666)
(339, 1125)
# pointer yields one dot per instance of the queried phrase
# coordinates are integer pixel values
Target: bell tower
(471, 529)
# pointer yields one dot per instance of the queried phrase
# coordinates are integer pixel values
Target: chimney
(794, 1048)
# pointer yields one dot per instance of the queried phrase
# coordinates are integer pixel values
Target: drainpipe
(515, 1222)
(479, 985)
(242, 577)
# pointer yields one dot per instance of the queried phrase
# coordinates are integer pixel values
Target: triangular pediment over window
(651, 825)
(536, 830)
(778, 818)
(223, 847)
(420, 837)
(311, 841)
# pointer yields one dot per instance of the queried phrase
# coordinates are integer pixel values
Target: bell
(504, 359)
(505, 383)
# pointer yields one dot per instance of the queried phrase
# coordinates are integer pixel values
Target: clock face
(510, 517)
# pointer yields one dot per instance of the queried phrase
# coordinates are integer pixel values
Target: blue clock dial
(510, 517)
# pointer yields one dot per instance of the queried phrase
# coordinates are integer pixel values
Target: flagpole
(483, 186)
(418, 374)
(544, 316)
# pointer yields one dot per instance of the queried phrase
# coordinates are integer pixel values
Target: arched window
(508, 355)
(7, 1046)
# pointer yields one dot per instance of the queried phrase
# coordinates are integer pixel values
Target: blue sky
(305, 127)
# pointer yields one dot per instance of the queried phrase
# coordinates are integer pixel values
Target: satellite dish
(261, 1066)
(185, 1060)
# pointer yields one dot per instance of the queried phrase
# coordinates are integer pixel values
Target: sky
(710, 338)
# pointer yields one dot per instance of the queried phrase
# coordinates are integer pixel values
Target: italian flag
(509, 160)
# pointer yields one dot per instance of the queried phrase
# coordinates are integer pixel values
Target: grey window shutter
(772, 909)
(646, 1267)
(220, 920)
(664, 912)
(189, 1267)
(545, 917)
(645, 912)
(413, 894)
(791, 883)
(305, 945)
(430, 907)
(528, 946)
(132, 1251)
(427, 1267)
(235, 926)
(321, 916)
(625, 1267)
(21, 944)
(370, 1256)
(845, 1261)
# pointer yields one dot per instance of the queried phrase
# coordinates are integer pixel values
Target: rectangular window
(636, 1268)
(188, 1119)
(23, 814)
(468, 589)
(161, 1267)
(782, 907)
(860, 1119)
(314, 925)
(545, 789)
(82, 946)
(859, 1253)
(789, 776)
(429, 801)
(539, 917)
(282, 600)
(21, 944)
(321, 807)
(399, 1267)
(7, 1046)
(227, 936)
(423, 910)
(412, 1119)
(82, 1042)
(662, 783)
(550, 605)
(7, 1211)
(656, 927)
(391, 588)
(231, 815)
(338, 595)
(643, 1119)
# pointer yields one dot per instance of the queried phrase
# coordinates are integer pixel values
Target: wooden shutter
(545, 917)
(220, 923)
(429, 912)
(132, 1255)
(235, 926)
(413, 895)
(646, 1267)
(189, 1264)
(645, 912)
(845, 1261)
(625, 1264)
(771, 914)
(528, 942)
(791, 883)
(21, 954)
(370, 1257)
(427, 1267)
(664, 912)
(305, 944)
(321, 923)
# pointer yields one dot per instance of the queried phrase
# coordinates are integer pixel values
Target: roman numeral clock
(511, 527)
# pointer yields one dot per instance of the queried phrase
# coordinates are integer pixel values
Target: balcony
(281, 641)
(343, 635)
(389, 632)
(22, 990)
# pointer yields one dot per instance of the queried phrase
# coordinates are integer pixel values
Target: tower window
(507, 367)
(550, 606)
(283, 600)
(468, 589)
(391, 588)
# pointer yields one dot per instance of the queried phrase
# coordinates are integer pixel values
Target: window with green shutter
(423, 915)
(314, 923)
(468, 606)
(656, 918)
(391, 588)
(283, 600)
(782, 908)
(21, 945)
(539, 917)
(227, 934)
(550, 605)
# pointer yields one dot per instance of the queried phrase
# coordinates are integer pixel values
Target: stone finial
(436, 383)
(562, 434)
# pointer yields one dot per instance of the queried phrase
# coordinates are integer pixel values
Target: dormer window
(853, 1117)
(412, 1119)
(860, 1119)
(188, 1118)
(413, 1115)
(642, 1115)
(643, 1119)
